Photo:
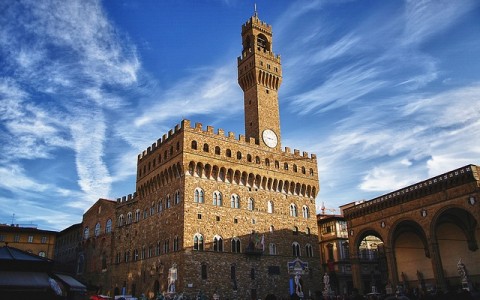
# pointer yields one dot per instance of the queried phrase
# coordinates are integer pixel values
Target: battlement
(166, 137)
(185, 125)
(255, 22)
(270, 55)
(128, 198)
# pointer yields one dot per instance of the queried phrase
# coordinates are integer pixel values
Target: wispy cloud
(69, 53)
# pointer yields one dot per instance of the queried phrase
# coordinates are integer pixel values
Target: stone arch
(237, 177)
(455, 234)
(215, 172)
(410, 248)
(199, 170)
(244, 179)
(191, 168)
(208, 171)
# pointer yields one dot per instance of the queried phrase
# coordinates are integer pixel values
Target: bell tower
(260, 76)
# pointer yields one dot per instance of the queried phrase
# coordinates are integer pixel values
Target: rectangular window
(235, 220)
(16, 238)
(44, 239)
(199, 216)
(204, 271)
(2, 238)
(30, 238)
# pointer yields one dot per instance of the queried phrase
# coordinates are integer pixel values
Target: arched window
(194, 145)
(135, 255)
(272, 249)
(129, 218)
(311, 172)
(228, 153)
(177, 197)
(143, 253)
(285, 166)
(120, 220)
(127, 256)
(306, 213)
(295, 249)
(198, 242)
(257, 160)
(267, 162)
(176, 244)
(307, 231)
(308, 250)
(205, 147)
(251, 204)
(217, 244)
(235, 201)
(303, 170)
(168, 203)
(152, 209)
(217, 198)
(277, 165)
(236, 245)
(293, 210)
(137, 215)
(198, 196)
(86, 233)
(108, 227)
(97, 229)
(217, 150)
(160, 206)
(249, 158)
(270, 207)
(239, 155)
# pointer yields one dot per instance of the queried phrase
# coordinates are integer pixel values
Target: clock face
(269, 138)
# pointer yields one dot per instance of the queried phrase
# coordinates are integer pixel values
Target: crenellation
(149, 150)
(305, 154)
(231, 135)
(221, 132)
(241, 138)
(177, 128)
(198, 126)
(210, 129)
(288, 150)
(170, 133)
(296, 152)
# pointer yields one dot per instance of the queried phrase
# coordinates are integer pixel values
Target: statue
(298, 286)
(461, 270)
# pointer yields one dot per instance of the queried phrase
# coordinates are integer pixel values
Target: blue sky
(385, 93)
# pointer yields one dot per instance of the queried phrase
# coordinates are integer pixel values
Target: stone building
(68, 246)
(29, 238)
(97, 246)
(429, 231)
(218, 214)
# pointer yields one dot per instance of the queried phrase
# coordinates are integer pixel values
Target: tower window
(267, 91)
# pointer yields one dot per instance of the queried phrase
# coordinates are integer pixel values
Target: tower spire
(255, 9)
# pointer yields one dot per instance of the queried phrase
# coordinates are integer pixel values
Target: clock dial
(269, 138)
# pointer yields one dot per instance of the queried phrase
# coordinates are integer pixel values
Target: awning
(73, 284)
(26, 280)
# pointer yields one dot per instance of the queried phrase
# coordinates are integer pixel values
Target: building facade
(68, 246)
(30, 239)
(429, 231)
(218, 214)
(97, 246)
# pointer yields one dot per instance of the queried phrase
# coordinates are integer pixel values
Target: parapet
(127, 198)
(210, 130)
